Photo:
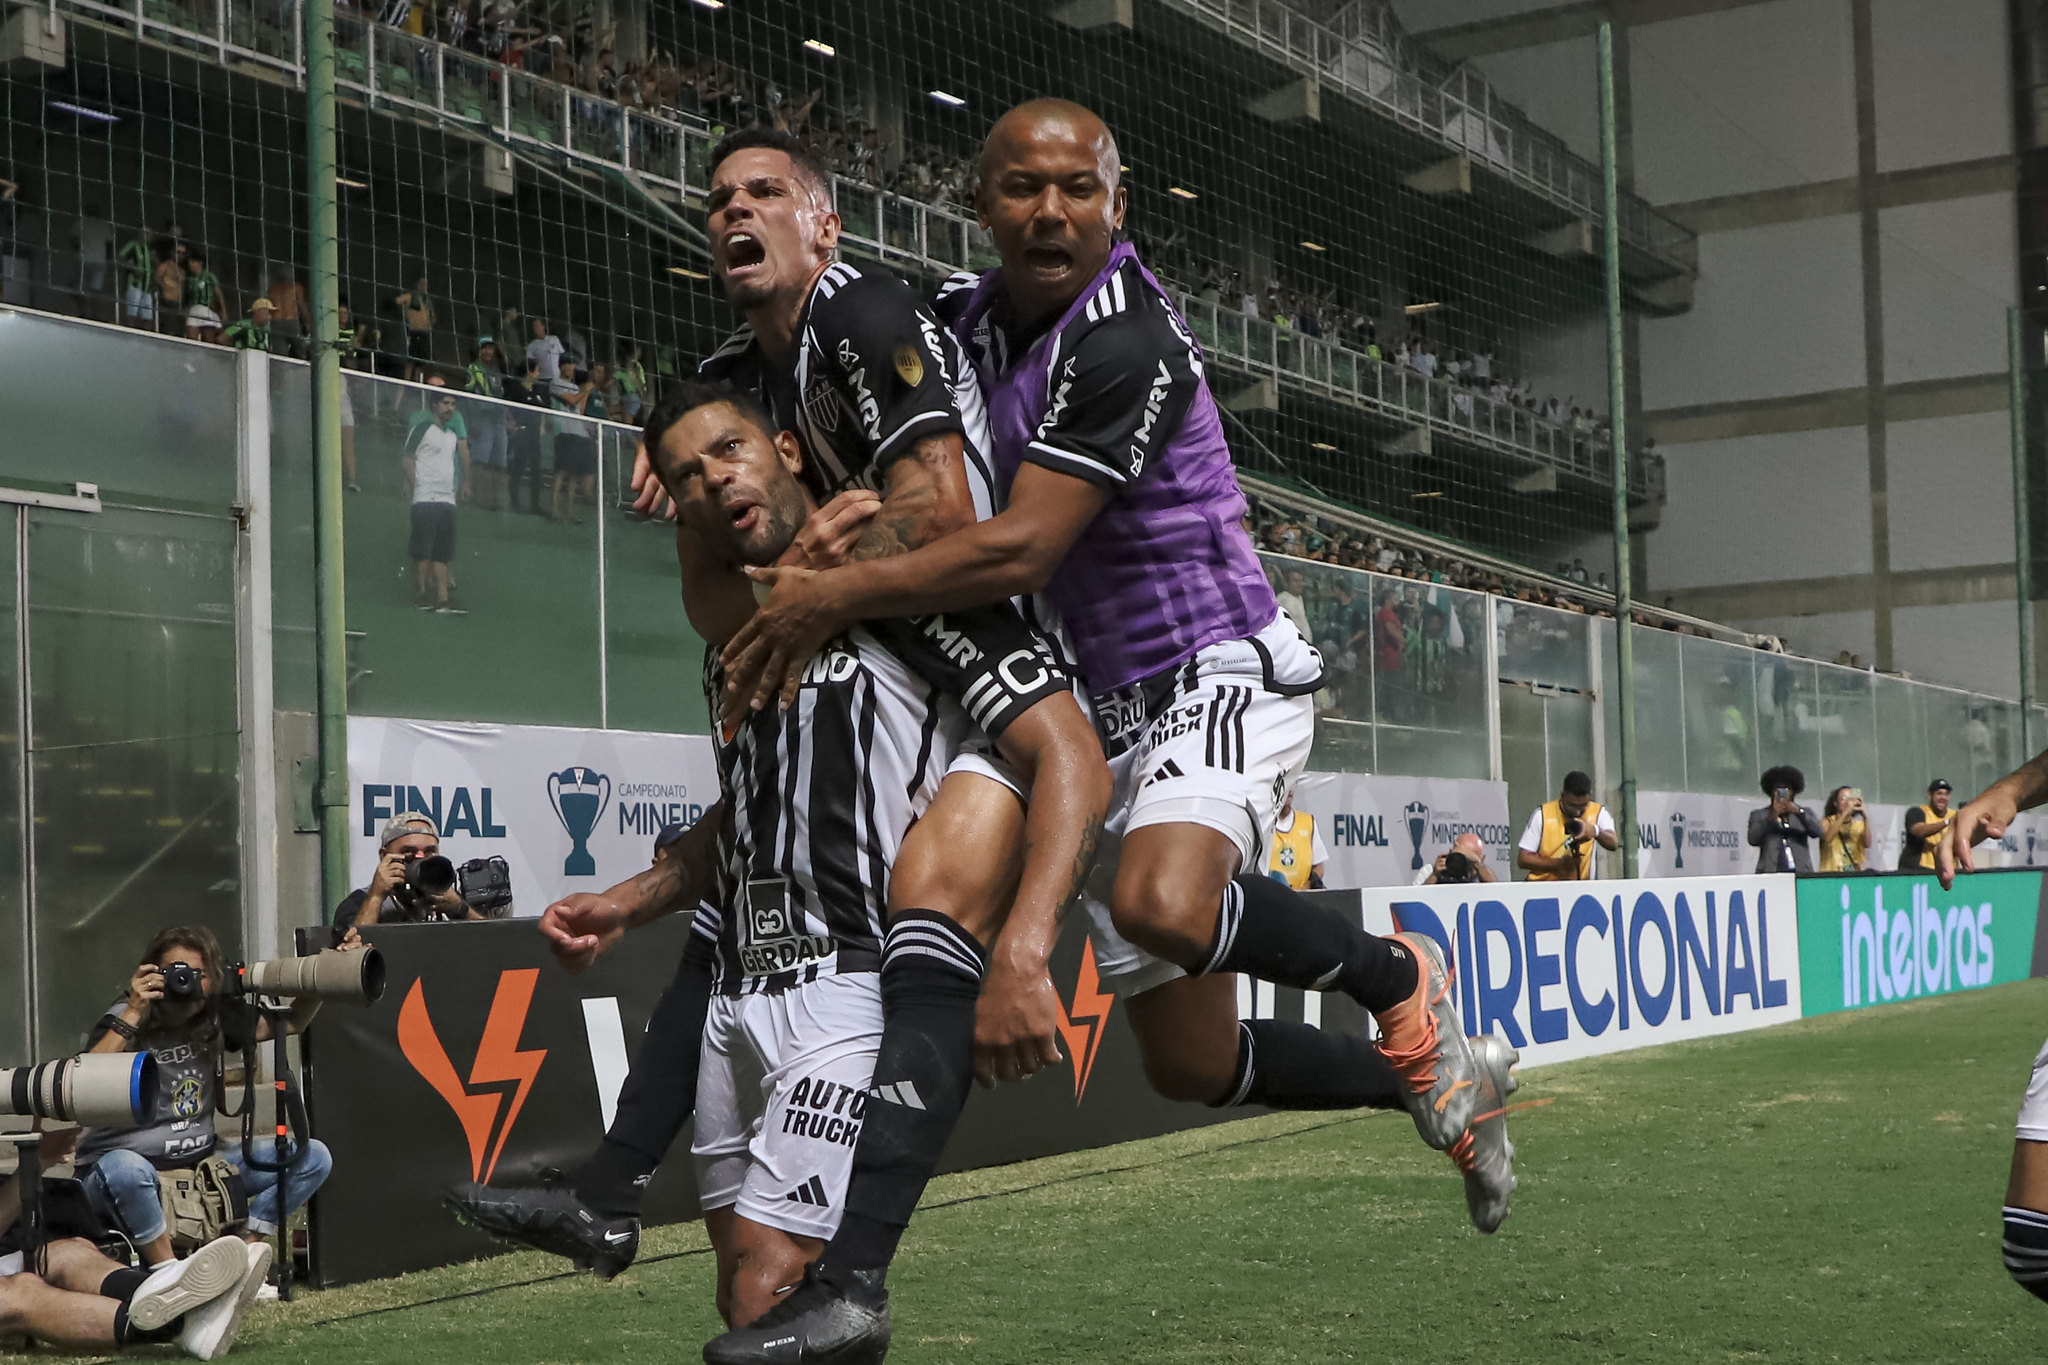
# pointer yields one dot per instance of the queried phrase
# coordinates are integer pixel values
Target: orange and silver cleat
(1484, 1153)
(1423, 1040)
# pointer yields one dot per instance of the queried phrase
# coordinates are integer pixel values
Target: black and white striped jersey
(875, 374)
(819, 799)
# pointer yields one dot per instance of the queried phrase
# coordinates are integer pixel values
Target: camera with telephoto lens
(355, 977)
(182, 981)
(426, 879)
(1574, 833)
(1457, 869)
(102, 1090)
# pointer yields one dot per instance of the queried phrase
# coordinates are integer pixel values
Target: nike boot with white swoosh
(550, 1219)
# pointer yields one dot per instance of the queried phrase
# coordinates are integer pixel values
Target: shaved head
(1052, 197)
(1052, 119)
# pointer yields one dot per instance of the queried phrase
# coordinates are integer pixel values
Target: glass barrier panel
(536, 109)
(597, 128)
(654, 662)
(470, 87)
(1542, 644)
(478, 602)
(1786, 732)
(293, 659)
(902, 223)
(265, 26)
(1430, 689)
(132, 659)
(1660, 710)
(860, 211)
(171, 436)
(1954, 751)
(1902, 767)
(1845, 717)
(14, 995)
(657, 149)
(1720, 707)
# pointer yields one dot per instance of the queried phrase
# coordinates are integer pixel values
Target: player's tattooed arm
(582, 927)
(926, 496)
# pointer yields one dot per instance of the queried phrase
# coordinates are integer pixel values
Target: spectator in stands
(545, 349)
(1293, 601)
(486, 422)
(205, 301)
(1924, 827)
(1347, 636)
(1782, 831)
(251, 333)
(292, 322)
(407, 838)
(418, 310)
(575, 445)
(1389, 637)
(138, 267)
(526, 426)
(437, 471)
(1561, 841)
(632, 381)
(1845, 832)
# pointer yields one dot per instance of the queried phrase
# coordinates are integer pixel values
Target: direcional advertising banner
(1385, 831)
(1573, 969)
(568, 809)
(1871, 940)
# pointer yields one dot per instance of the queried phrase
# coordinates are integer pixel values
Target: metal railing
(395, 71)
(1368, 58)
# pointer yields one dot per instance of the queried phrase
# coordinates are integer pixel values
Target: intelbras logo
(1898, 952)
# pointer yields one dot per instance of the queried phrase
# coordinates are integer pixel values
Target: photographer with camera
(1559, 842)
(1844, 831)
(164, 1179)
(1463, 864)
(1925, 827)
(77, 1296)
(1781, 831)
(413, 883)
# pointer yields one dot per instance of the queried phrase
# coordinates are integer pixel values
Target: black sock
(931, 977)
(125, 1333)
(1299, 1066)
(1266, 929)
(121, 1284)
(659, 1095)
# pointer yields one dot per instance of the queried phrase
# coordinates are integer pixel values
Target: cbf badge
(909, 365)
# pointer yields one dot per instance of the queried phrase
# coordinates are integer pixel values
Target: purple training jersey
(1113, 393)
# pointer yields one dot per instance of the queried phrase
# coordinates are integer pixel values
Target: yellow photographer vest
(1552, 845)
(1294, 851)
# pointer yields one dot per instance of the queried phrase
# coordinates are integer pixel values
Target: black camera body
(183, 981)
(1457, 870)
(486, 886)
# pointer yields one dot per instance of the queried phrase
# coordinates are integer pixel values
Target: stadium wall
(1832, 406)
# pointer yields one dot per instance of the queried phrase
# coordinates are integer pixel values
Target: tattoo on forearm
(905, 521)
(1084, 863)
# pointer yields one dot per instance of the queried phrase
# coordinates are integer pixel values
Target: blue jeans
(122, 1188)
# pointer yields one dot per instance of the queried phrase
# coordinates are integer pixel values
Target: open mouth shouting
(745, 254)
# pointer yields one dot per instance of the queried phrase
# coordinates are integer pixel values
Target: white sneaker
(210, 1330)
(180, 1286)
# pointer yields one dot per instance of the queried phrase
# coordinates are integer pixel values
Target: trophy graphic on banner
(579, 796)
(1418, 821)
(1677, 839)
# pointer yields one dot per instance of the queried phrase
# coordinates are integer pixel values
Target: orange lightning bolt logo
(498, 1060)
(1086, 1021)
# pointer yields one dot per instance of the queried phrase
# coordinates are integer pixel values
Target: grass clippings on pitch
(1825, 1191)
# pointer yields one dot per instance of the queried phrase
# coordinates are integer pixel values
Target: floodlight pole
(2022, 531)
(1617, 448)
(330, 618)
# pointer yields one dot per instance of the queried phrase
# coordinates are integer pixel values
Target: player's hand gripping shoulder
(834, 531)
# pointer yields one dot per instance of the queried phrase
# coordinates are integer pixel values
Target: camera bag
(202, 1202)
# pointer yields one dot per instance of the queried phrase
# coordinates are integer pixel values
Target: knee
(761, 1276)
(1166, 909)
(315, 1165)
(126, 1173)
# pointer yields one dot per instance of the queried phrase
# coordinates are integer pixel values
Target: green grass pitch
(1824, 1191)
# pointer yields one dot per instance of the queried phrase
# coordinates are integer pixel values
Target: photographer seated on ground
(173, 1010)
(86, 1301)
(413, 884)
(1463, 863)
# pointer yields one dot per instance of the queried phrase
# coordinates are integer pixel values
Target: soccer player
(1122, 506)
(881, 398)
(2026, 1193)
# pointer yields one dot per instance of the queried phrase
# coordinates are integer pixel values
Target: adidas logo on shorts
(812, 1191)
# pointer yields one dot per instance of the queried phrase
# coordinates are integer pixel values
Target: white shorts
(348, 406)
(1222, 747)
(140, 303)
(2033, 1124)
(202, 317)
(780, 1094)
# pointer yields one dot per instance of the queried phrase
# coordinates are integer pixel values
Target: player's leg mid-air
(2026, 1193)
(1122, 507)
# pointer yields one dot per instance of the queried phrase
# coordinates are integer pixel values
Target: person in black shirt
(1924, 827)
(408, 837)
(529, 390)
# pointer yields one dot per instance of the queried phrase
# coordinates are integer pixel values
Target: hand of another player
(1987, 817)
(650, 498)
(766, 657)
(581, 928)
(1016, 1025)
(829, 536)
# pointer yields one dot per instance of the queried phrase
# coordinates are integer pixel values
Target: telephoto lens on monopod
(352, 978)
(101, 1090)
